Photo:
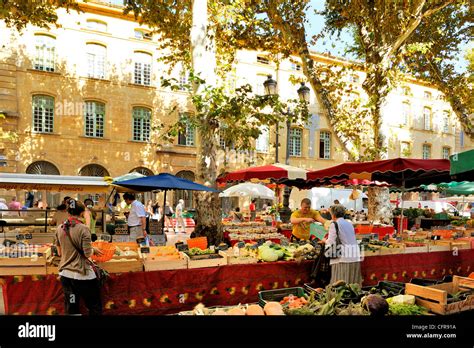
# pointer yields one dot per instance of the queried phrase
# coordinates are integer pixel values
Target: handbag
(331, 252)
(101, 274)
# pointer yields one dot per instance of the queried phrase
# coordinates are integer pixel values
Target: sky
(336, 46)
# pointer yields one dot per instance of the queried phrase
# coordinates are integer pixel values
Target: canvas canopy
(57, 183)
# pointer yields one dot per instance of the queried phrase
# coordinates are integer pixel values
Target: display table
(165, 292)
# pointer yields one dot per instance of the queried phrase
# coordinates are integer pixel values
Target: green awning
(463, 189)
(462, 165)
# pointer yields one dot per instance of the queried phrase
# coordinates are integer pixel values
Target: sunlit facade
(84, 97)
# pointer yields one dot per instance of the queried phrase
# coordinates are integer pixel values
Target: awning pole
(401, 198)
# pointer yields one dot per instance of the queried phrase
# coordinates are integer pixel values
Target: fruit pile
(167, 252)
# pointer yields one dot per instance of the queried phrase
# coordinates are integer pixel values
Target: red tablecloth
(164, 292)
(286, 233)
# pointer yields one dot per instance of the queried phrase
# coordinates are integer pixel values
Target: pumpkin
(255, 310)
(236, 311)
(273, 308)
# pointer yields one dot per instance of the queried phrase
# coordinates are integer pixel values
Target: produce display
(271, 308)
(254, 236)
(198, 251)
(165, 253)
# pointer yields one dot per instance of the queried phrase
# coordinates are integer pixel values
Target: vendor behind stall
(302, 219)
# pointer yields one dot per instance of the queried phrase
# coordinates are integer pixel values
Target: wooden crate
(414, 250)
(35, 265)
(133, 265)
(376, 252)
(237, 260)
(434, 246)
(152, 262)
(435, 297)
(460, 245)
(391, 251)
(221, 261)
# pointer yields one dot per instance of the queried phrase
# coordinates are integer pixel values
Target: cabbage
(402, 299)
(267, 254)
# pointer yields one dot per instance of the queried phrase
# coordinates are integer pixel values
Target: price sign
(145, 250)
(182, 247)
(260, 241)
(104, 237)
(241, 245)
(154, 227)
(121, 229)
(28, 236)
(20, 237)
(141, 240)
(223, 247)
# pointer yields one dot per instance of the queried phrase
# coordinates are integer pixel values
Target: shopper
(180, 224)
(60, 215)
(302, 219)
(237, 216)
(136, 218)
(73, 242)
(253, 210)
(90, 217)
(346, 266)
(149, 208)
(14, 204)
(168, 214)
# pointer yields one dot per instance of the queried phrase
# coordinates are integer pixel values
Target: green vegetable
(267, 254)
(406, 309)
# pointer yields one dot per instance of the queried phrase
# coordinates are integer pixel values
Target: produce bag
(317, 230)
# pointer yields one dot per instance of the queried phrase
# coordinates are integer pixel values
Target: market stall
(172, 291)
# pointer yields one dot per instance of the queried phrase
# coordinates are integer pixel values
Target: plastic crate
(199, 242)
(425, 282)
(278, 295)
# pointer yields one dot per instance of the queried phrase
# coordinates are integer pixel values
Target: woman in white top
(346, 266)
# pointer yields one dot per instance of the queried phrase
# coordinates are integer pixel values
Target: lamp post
(303, 93)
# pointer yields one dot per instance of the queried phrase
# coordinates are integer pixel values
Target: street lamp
(270, 86)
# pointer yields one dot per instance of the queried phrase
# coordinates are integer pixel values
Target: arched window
(42, 168)
(142, 170)
(141, 124)
(96, 55)
(142, 69)
(187, 196)
(45, 52)
(43, 114)
(94, 119)
(94, 24)
(93, 170)
(142, 34)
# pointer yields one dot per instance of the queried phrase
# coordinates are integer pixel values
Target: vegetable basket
(107, 249)
(278, 295)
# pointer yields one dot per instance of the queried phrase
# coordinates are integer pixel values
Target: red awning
(274, 172)
(398, 172)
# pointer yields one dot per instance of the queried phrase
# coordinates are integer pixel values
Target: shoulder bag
(332, 251)
(101, 274)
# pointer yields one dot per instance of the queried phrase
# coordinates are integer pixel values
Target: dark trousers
(88, 290)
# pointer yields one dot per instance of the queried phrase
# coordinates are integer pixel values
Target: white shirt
(179, 210)
(137, 211)
(349, 249)
(3, 206)
(78, 276)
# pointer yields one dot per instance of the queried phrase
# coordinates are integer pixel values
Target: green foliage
(236, 117)
(18, 14)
